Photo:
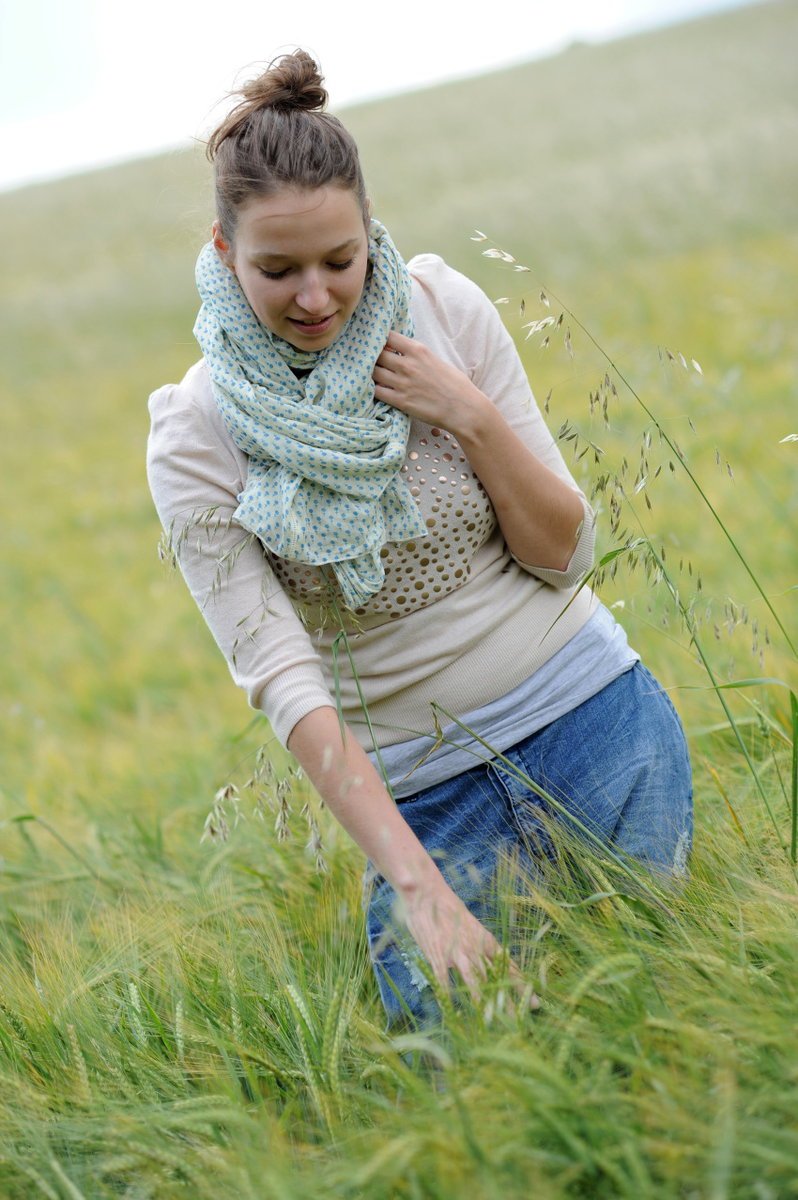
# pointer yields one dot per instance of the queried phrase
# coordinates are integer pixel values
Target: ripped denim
(617, 763)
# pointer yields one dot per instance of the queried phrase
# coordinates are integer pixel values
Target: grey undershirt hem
(595, 656)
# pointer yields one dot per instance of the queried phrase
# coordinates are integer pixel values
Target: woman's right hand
(447, 934)
(452, 940)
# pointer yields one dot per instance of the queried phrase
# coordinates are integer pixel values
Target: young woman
(358, 450)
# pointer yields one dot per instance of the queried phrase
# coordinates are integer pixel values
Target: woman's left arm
(540, 513)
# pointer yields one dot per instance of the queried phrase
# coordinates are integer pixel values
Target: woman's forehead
(292, 221)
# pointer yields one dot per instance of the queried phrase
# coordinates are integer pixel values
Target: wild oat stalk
(545, 295)
(620, 493)
(794, 790)
(343, 638)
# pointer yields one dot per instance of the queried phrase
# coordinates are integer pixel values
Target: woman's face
(301, 259)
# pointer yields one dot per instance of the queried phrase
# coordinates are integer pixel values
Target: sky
(85, 83)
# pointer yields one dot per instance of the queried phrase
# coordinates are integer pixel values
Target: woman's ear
(222, 246)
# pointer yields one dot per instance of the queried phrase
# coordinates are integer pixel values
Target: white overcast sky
(88, 82)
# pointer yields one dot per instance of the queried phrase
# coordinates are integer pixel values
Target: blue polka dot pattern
(323, 485)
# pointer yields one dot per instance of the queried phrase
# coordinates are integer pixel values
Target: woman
(358, 451)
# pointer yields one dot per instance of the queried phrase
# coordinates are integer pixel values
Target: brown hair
(279, 136)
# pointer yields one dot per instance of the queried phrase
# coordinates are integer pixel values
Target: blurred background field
(650, 185)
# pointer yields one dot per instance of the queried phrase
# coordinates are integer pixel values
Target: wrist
(472, 417)
(419, 880)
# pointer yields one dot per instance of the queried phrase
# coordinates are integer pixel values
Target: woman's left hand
(539, 513)
(410, 377)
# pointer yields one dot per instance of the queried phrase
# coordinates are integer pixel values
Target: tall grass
(214, 1030)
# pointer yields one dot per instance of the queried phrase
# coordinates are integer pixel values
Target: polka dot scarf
(324, 456)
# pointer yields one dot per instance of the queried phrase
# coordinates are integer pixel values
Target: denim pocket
(528, 810)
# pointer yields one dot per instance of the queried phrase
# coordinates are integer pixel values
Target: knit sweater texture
(459, 621)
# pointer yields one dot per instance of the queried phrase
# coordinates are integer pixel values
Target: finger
(391, 360)
(383, 376)
(443, 975)
(390, 396)
(471, 982)
(526, 993)
(398, 341)
(474, 971)
(531, 999)
(526, 998)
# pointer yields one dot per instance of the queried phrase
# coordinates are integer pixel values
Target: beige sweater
(458, 621)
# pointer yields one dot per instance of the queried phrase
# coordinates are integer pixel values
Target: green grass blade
(794, 833)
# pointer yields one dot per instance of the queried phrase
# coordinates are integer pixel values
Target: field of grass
(186, 1019)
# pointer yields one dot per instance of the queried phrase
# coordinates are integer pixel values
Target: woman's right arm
(445, 931)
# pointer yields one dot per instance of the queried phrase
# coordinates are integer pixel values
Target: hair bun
(291, 81)
(277, 136)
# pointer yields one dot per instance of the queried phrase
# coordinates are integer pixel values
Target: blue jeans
(618, 764)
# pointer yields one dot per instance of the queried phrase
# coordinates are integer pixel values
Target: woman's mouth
(312, 328)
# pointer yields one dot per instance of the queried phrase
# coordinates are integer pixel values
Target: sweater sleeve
(489, 357)
(195, 474)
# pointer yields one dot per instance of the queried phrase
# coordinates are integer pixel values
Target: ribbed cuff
(581, 560)
(291, 695)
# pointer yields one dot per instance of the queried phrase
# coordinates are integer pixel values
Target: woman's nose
(312, 295)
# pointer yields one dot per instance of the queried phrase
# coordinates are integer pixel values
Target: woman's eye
(334, 266)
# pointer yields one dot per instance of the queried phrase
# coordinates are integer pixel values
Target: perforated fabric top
(458, 515)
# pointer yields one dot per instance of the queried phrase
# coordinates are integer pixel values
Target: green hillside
(650, 182)
(654, 145)
(150, 1043)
